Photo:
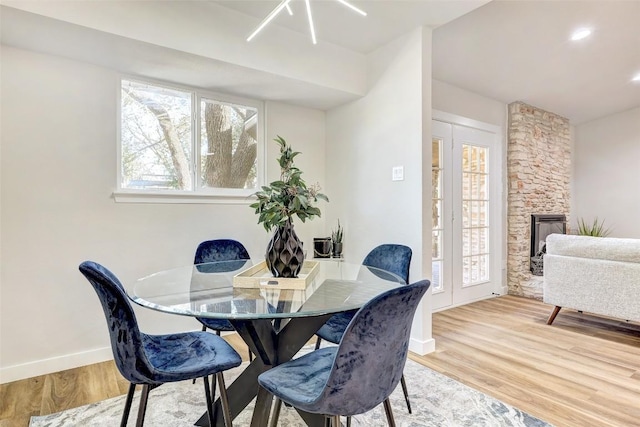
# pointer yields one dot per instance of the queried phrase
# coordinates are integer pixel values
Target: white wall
(606, 179)
(304, 129)
(58, 173)
(365, 139)
(454, 100)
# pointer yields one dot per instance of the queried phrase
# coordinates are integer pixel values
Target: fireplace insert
(541, 226)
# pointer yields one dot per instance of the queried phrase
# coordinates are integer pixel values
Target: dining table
(274, 319)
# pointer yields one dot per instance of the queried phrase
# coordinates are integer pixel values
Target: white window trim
(198, 195)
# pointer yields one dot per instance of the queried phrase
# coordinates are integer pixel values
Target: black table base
(271, 347)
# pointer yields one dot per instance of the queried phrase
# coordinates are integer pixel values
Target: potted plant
(596, 229)
(336, 239)
(277, 204)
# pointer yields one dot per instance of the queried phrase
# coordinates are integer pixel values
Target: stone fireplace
(539, 173)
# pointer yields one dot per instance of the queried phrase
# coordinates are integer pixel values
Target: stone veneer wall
(539, 173)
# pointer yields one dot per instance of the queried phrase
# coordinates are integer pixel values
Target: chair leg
(327, 421)
(276, 412)
(335, 421)
(143, 405)
(389, 413)
(349, 421)
(127, 405)
(406, 393)
(250, 354)
(209, 399)
(224, 399)
(318, 341)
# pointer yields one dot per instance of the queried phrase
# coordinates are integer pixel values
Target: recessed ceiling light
(580, 34)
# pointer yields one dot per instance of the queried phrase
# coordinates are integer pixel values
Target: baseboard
(422, 347)
(467, 302)
(54, 364)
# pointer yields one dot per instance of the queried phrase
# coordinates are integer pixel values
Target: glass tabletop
(207, 290)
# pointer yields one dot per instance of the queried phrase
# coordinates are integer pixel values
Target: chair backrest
(390, 257)
(372, 353)
(126, 338)
(220, 250)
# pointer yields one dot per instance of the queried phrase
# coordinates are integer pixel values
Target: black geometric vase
(284, 255)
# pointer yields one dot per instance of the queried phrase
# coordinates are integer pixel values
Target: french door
(465, 214)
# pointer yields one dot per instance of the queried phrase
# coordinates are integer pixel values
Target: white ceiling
(510, 50)
(513, 50)
(520, 51)
(337, 24)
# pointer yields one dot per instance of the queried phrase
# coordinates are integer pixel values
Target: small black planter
(337, 250)
(284, 255)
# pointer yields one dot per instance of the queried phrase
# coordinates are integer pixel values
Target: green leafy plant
(595, 229)
(337, 234)
(289, 196)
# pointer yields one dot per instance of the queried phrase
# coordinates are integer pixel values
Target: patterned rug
(436, 400)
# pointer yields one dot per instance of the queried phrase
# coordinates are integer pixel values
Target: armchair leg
(144, 397)
(335, 421)
(349, 421)
(553, 314)
(127, 405)
(406, 393)
(318, 341)
(224, 399)
(276, 412)
(389, 413)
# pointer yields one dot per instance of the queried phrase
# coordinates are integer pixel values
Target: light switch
(397, 173)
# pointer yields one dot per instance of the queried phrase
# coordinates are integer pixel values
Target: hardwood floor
(581, 371)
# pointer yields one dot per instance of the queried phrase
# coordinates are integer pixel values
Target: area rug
(436, 401)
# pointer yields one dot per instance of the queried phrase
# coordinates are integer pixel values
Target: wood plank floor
(582, 371)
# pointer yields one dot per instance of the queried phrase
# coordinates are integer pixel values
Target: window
(179, 142)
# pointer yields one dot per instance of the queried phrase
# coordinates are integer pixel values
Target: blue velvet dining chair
(388, 257)
(220, 250)
(152, 360)
(358, 374)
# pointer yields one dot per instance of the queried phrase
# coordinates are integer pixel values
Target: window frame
(199, 194)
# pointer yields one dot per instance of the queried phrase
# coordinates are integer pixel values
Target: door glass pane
(436, 216)
(475, 241)
(466, 242)
(435, 153)
(466, 213)
(482, 187)
(484, 240)
(482, 214)
(436, 272)
(475, 215)
(436, 244)
(466, 185)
